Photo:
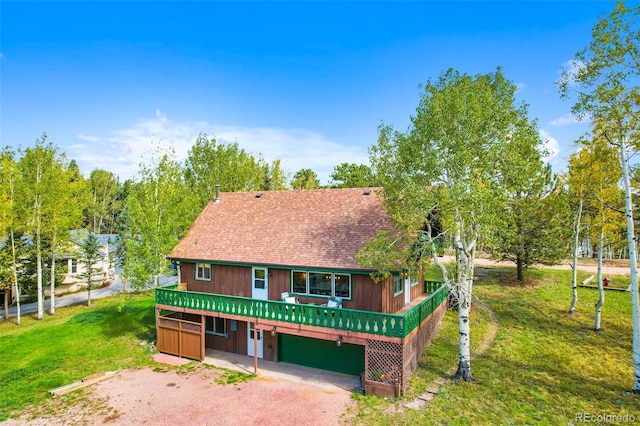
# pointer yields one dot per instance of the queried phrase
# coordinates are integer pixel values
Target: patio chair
(289, 297)
(334, 302)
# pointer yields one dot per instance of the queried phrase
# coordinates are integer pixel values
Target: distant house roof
(305, 228)
(79, 235)
(104, 240)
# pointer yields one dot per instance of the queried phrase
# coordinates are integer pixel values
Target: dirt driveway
(610, 267)
(201, 396)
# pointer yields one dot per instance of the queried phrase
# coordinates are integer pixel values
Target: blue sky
(306, 82)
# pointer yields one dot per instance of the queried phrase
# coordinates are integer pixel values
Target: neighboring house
(246, 249)
(74, 269)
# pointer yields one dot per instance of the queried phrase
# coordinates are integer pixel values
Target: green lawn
(544, 367)
(78, 341)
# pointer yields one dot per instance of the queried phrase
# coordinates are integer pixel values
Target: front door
(259, 290)
(260, 284)
(250, 342)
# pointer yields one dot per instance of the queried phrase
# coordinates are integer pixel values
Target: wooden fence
(180, 337)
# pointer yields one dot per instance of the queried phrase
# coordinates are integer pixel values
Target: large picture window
(322, 284)
(203, 271)
(215, 325)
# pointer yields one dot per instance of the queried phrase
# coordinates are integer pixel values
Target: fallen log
(87, 381)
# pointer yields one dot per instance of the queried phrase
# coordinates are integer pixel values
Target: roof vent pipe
(217, 199)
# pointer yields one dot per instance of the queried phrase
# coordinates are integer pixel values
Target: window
(259, 278)
(414, 282)
(299, 282)
(215, 325)
(343, 285)
(398, 284)
(74, 266)
(322, 284)
(203, 271)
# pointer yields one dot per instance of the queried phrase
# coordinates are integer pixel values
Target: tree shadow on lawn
(535, 306)
(136, 317)
(553, 323)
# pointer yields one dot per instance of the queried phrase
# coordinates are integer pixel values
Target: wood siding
(236, 341)
(236, 281)
(279, 282)
(391, 303)
(232, 280)
(366, 294)
(417, 290)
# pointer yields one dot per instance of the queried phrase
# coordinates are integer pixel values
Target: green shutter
(323, 354)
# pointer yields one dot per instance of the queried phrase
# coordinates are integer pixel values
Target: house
(247, 250)
(74, 269)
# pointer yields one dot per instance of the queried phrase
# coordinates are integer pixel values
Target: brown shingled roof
(322, 228)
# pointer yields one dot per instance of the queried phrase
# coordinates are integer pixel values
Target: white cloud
(564, 120)
(87, 138)
(551, 145)
(297, 148)
(161, 116)
(123, 150)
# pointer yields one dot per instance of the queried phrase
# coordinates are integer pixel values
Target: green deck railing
(377, 323)
(421, 311)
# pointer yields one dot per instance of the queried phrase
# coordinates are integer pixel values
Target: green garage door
(323, 354)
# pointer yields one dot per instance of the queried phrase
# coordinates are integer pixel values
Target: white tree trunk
(633, 263)
(576, 245)
(465, 287)
(600, 301)
(52, 309)
(18, 313)
(37, 209)
(15, 276)
(39, 287)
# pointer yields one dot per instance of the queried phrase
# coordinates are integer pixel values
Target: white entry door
(259, 290)
(260, 284)
(250, 342)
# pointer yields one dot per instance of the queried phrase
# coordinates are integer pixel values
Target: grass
(544, 367)
(76, 342)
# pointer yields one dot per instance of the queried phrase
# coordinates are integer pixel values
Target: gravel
(145, 396)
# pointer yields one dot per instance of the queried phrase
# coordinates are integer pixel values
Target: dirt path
(434, 387)
(145, 396)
